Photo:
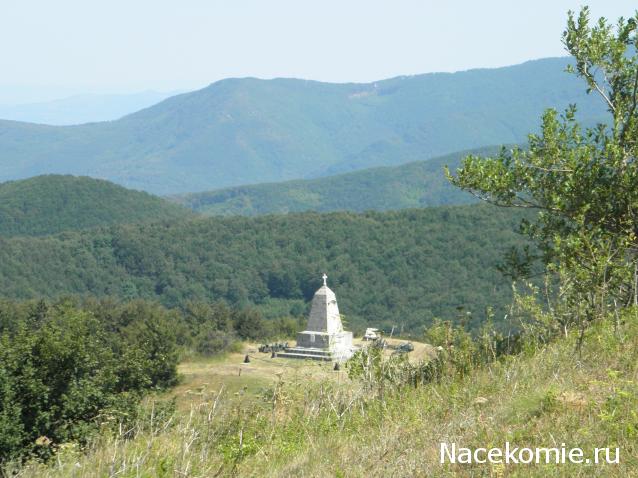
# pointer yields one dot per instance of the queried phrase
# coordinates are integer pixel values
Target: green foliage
(584, 181)
(381, 375)
(70, 370)
(51, 204)
(417, 184)
(306, 425)
(246, 131)
(66, 374)
(212, 341)
(459, 353)
(200, 327)
(249, 324)
(394, 268)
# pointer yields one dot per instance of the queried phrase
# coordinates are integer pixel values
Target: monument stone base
(321, 346)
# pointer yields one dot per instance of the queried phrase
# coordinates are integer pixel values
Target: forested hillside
(50, 204)
(246, 131)
(417, 184)
(396, 268)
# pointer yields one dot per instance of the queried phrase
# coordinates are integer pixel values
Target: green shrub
(64, 375)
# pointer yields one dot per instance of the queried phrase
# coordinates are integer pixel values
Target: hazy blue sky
(76, 46)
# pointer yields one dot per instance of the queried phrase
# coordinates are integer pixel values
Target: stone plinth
(321, 346)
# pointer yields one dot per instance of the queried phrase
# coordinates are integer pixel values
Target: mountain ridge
(411, 185)
(81, 108)
(247, 131)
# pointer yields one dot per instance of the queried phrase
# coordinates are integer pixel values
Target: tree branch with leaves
(582, 181)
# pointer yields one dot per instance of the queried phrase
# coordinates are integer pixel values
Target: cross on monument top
(324, 277)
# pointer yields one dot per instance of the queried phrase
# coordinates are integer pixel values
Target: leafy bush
(211, 341)
(64, 374)
(68, 368)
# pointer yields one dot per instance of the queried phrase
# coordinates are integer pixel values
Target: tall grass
(298, 427)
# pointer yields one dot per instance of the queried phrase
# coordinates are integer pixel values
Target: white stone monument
(324, 337)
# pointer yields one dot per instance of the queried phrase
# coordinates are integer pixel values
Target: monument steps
(305, 355)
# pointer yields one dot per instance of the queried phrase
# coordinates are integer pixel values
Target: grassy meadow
(289, 418)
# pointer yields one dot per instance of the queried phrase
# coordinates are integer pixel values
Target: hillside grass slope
(546, 396)
(50, 204)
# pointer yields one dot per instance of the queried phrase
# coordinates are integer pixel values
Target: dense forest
(50, 204)
(394, 268)
(411, 185)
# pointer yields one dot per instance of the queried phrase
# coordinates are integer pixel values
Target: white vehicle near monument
(372, 334)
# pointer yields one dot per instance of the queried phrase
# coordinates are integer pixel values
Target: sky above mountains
(78, 47)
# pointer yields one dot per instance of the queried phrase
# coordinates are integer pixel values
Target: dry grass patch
(305, 420)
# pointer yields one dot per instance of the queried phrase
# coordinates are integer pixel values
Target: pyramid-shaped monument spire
(324, 338)
(324, 312)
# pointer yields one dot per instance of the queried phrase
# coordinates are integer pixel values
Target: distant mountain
(417, 184)
(247, 131)
(50, 204)
(81, 108)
